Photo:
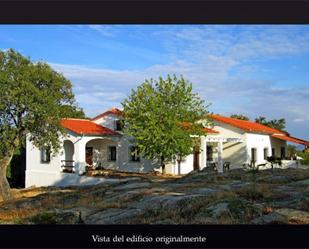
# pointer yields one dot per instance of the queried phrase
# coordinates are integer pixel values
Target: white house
(100, 142)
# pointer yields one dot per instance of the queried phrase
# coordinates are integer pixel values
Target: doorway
(89, 155)
(196, 159)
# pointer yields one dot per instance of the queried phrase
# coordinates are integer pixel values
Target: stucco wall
(107, 121)
(33, 160)
(260, 142)
(228, 131)
(235, 153)
(277, 144)
(44, 174)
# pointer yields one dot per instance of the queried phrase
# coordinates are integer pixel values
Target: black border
(154, 12)
(217, 236)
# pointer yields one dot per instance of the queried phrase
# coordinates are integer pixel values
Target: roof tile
(86, 127)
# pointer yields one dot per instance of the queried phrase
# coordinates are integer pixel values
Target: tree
(261, 120)
(239, 116)
(292, 150)
(278, 124)
(162, 115)
(33, 99)
(72, 111)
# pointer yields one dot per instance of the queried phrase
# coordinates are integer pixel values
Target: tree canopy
(278, 124)
(239, 116)
(33, 99)
(162, 115)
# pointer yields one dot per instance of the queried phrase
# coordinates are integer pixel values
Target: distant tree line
(278, 124)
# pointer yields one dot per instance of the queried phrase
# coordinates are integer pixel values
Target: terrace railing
(67, 166)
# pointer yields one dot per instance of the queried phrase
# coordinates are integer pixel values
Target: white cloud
(206, 56)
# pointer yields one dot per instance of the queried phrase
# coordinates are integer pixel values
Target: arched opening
(102, 153)
(68, 162)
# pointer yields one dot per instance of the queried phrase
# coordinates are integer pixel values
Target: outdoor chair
(226, 166)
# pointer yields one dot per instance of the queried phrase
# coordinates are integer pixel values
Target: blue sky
(255, 70)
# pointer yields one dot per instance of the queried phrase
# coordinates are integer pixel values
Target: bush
(305, 156)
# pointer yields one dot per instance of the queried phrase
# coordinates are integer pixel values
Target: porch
(90, 153)
(216, 154)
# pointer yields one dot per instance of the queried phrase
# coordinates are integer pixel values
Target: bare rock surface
(112, 216)
(206, 197)
(268, 219)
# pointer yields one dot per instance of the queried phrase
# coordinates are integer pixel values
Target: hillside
(281, 197)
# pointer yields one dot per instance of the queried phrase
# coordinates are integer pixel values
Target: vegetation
(305, 156)
(162, 115)
(278, 124)
(33, 99)
(239, 116)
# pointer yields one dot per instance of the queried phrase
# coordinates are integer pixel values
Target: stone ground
(235, 197)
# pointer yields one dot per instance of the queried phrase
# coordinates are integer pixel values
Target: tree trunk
(5, 189)
(163, 165)
(179, 164)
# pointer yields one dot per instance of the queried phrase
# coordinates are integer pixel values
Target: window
(118, 125)
(45, 155)
(253, 154)
(273, 152)
(134, 154)
(282, 152)
(112, 153)
(265, 153)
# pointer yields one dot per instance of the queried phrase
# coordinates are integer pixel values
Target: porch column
(118, 154)
(203, 153)
(220, 161)
(80, 157)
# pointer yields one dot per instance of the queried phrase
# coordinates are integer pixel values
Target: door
(89, 154)
(196, 160)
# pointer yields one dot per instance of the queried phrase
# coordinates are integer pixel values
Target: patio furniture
(226, 166)
(67, 166)
(212, 165)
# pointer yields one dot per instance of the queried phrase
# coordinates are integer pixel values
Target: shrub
(305, 156)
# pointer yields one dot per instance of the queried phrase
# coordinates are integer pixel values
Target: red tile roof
(86, 127)
(114, 111)
(258, 128)
(291, 139)
(247, 125)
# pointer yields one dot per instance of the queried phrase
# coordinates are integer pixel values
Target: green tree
(292, 150)
(33, 99)
(72, 111)
(261, 120)
(239, 116)
(162, 115)
(278, 124)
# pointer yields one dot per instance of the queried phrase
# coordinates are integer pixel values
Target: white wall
(277, 144)
(228, 131)
(260, 142)
(108, 121)
(233, 152)
(44, 174)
